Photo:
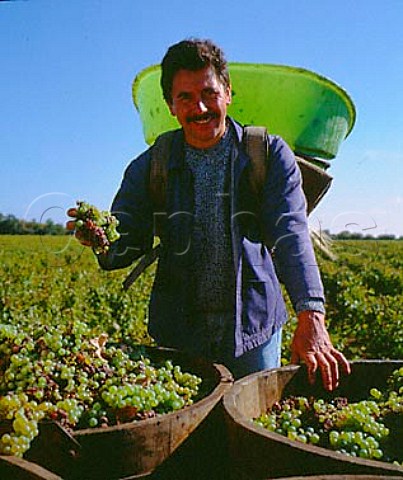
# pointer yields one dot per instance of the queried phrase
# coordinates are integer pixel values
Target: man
(216, 291)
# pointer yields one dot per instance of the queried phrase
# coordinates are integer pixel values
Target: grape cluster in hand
(97, 227)
(370, 428)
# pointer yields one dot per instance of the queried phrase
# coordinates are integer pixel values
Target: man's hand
(312, 345)
(71, 226)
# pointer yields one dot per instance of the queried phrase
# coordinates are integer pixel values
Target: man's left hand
(312, 345)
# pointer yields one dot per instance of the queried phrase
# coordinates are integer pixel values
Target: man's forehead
(187, 79)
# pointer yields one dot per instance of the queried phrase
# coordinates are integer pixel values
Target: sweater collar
(177, 157)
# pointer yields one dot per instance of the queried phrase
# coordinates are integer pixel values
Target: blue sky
(68, 126)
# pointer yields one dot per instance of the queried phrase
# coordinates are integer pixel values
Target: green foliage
(364, 292)
(48, 280)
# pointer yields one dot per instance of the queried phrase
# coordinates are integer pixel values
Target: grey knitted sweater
(213, 275)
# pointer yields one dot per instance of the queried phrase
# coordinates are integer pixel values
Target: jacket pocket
(257, 315)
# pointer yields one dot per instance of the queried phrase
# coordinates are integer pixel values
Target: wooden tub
(256, 453)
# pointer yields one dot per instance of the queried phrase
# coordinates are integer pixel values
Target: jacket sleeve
(285, 224)
(133, 208)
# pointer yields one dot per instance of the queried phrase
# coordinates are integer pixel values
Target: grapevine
(97, 227)
(370, 428)
(65, 375)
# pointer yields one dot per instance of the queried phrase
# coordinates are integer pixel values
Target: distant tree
(11, 225)
(52, 228)
(386, 236)
(346, 235)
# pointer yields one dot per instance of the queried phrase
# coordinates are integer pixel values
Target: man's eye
(184, 97)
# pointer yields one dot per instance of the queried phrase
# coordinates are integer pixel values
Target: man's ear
(171, 108)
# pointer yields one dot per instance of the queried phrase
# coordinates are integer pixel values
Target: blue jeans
(268, 355)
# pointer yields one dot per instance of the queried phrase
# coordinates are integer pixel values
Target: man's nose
(201, 106)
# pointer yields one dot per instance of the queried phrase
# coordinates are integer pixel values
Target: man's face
(199, 101)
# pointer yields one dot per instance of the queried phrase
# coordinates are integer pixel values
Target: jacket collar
(241, 159)
(238, 129)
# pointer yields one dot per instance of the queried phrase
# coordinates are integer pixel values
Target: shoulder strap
(315, 180)
(257, 148)
(160, 152)
(158, 185)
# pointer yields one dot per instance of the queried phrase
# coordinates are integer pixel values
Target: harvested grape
(370, 428)
(96, 226)
(65, 374)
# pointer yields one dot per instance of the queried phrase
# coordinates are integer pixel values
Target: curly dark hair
(192, 54)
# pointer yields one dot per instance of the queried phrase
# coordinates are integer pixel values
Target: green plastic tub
(312, 113)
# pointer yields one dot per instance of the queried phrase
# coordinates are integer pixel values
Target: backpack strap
(160, 152)
(257, 148)
(158, 182)
(315, 180)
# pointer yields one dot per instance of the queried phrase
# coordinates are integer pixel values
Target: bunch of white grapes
(97, 227)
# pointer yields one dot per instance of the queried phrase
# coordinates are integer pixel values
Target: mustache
(203, 116)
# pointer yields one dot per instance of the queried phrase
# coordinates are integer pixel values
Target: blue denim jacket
(276, 221)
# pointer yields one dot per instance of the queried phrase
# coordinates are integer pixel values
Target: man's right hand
(71, 226)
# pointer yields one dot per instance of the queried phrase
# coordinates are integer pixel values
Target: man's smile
(204, 118)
